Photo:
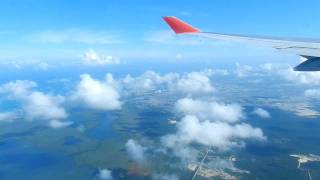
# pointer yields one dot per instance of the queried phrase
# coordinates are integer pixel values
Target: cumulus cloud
(289, 74)
(184, 151)
(211, 124)
(135, 151)
(18, 88)
(148, 81)
(283, 70)
(194, 83)
(216, 134)
(39, 105)
(307, 78)
(210, 110)
(36, 104)
(105, 174)
(261, 113)
(93, 58)
(75, 36)
(271, 67)
(101, 95)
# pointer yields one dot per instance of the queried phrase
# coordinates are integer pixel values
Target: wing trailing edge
(309, 49)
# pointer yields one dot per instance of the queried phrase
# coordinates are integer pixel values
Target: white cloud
(44, 106)
(193, 83)
(212, 72)
(102, 95)
(8, 116)
(307, 78)
(243, 70)
(148, 81)
(261, 113)
(288, 73)
(285, 71)
(105, 174)
(312, 93)
(269, 67)
(36, 104)
(184, 151)
(209, 123)
(210, 110)
(135, 151)
(57, 124)
(93, 58)
(220, 135)
(75, 36)
(18, 88)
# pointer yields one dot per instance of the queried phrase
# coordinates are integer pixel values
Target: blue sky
(133, 29)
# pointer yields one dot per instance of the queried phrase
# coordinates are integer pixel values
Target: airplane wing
(309, 49)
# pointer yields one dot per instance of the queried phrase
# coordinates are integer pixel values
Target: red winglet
(178, 26)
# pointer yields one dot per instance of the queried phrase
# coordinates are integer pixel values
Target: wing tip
(178, 26)
(311, 64)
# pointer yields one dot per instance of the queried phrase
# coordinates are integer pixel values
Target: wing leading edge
(309, 49)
